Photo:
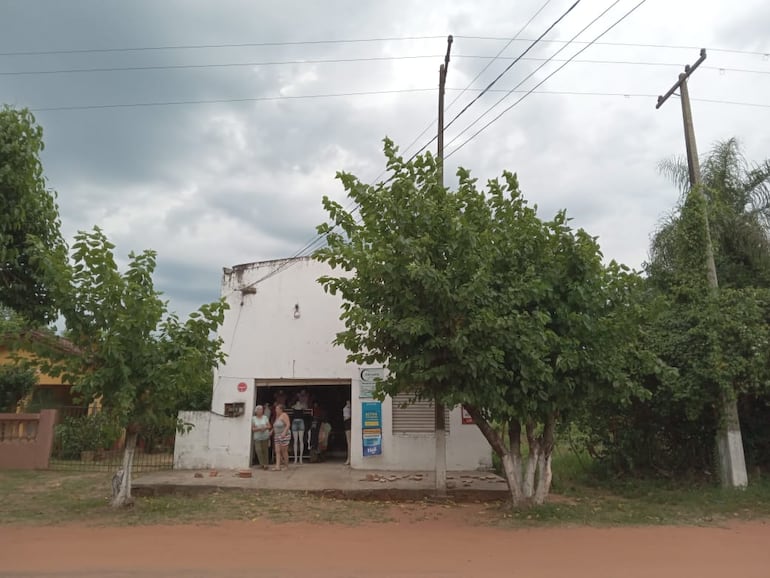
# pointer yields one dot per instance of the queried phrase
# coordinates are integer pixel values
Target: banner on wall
(371, 431)
(369, 376)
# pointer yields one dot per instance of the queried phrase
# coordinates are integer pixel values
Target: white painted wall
(264, 341)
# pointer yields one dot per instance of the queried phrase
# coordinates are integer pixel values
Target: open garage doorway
(321, 403)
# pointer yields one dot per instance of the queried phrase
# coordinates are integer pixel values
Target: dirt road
(435, 548)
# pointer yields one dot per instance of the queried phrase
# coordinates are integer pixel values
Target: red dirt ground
(445, 547)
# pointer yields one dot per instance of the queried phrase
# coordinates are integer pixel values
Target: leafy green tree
(715, 342)
(29, 219)
(737, 195)
(468, 297)
(16, 383)
(136, 358)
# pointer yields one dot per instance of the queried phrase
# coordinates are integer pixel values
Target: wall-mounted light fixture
(296, 311)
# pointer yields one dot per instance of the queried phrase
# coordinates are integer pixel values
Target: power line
(499, 76)
(531, 74)
(588, 45)
(216, 65)
(227, 100)
(626, 44)
(482, 71)
(361, 41)
(215, 46)
(360, 59)
(366, 93)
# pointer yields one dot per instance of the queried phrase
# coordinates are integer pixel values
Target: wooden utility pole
(732, 462)
(438, 406)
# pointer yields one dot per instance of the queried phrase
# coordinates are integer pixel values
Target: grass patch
(580, 496)
(45, 497)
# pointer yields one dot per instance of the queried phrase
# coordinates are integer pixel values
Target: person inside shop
(298, 430)
(260, 427)
(304, 399)
(346, 419)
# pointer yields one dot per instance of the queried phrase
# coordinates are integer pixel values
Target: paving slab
(328, 479)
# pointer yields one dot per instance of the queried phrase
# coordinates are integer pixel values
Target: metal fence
(89, 442)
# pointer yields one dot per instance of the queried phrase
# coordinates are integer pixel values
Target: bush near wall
(87, 433)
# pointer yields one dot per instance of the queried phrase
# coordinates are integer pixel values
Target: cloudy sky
(211, 140)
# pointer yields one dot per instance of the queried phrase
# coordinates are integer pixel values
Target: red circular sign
(242, 386)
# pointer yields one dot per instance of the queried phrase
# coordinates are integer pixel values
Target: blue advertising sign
(371, 431)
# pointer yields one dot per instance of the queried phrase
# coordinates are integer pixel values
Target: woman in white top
(260, 428)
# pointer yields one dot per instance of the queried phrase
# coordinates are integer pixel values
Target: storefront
(278, 336)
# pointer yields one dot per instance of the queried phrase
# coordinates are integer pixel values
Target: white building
(278, 335)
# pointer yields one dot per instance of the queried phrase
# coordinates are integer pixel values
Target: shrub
(93, 432)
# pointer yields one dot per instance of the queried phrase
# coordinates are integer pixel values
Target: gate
(92, 442)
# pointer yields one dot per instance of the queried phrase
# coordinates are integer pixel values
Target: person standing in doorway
(347, 422)
(281, 438)
(260, 428)
(298, 431)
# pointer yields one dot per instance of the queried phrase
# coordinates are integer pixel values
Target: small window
(417, 417)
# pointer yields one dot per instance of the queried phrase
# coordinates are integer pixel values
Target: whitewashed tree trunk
(123, 497)
(532, 458)
(531, 471)
(512, 470)
(544, 477)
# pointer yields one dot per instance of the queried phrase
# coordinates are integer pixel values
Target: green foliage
(29, 219)
(470, 297)
(135, 356)
(737, 199)
(714, 344)
(16, 383)
(76, 434)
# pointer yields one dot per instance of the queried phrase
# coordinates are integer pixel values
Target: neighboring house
(51, 392)
(278, 336)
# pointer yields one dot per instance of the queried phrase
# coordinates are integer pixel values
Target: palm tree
(737, 202)
(738, 197)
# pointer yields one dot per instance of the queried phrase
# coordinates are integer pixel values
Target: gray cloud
(212, 185)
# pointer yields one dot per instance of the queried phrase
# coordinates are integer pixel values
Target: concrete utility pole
(732, 463)
(439, 407)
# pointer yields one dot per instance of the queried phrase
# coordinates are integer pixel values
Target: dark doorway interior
(324, 400)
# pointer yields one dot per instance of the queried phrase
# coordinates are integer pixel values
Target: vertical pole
(729, 442)
(693, 167)
(441, 487)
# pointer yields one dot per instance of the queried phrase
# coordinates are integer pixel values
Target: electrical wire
(361, 41)
(352, 60)
(215, 65)
(499, 76)
(588, 45)
(531, 74)
(215, 46)
(629, 45)
(228, 100)
(345, 94)
(478, 75)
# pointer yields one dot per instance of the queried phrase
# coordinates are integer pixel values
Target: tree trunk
(732, 462)
(532, 460)
(544, 475)
(440, 449)
(513, 468)
(511, 458)
(122, 497)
